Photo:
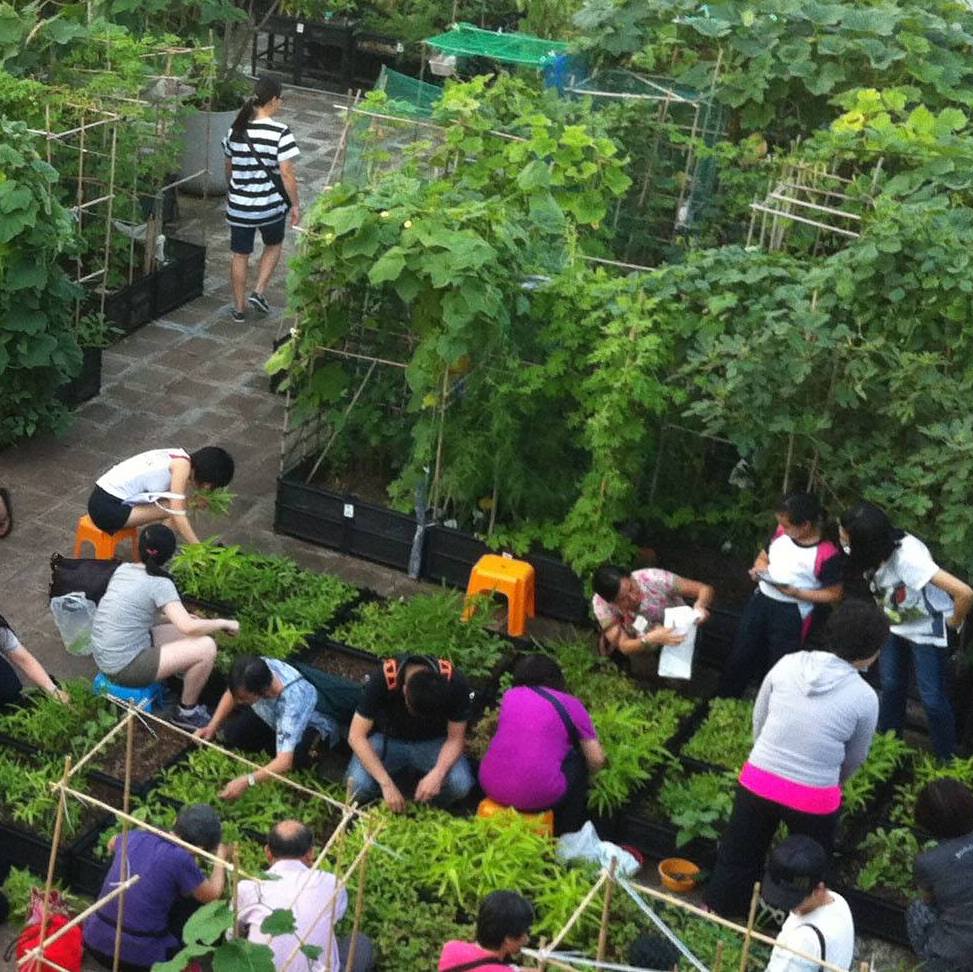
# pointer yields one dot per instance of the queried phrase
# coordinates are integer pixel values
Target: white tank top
(144, 478)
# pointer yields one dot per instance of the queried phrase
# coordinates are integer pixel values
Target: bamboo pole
(359, 907)
(317, 794)
(55, 846)
(107, 738)
(605, 909)
(718, 960)
(142, 825)
(123, 874)
(34, 953)
(585, 901)
(751, 917)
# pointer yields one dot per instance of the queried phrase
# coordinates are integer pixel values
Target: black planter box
(343, 522)
(876, 916)
(372, 53)
(448, 555)
(168, 287)
(85, 385)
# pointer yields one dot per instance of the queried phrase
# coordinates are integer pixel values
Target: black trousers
(10, 689)
(768, 630)
(747, 840)
(571, 812)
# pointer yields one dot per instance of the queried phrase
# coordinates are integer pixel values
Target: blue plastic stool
(149, 696)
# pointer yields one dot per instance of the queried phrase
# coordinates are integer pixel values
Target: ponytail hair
(157, 543)
(264, 91)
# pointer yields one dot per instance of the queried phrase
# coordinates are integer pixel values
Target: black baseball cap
(796, 867)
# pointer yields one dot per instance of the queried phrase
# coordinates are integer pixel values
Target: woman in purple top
(544, 748)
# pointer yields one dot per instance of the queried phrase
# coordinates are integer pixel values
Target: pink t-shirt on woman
(458, 953)
(522, 767)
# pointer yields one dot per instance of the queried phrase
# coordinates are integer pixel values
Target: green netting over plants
(375, 139)
(465, 40)
(408, 96)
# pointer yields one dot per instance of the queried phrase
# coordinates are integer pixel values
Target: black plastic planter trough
(343, 522)
(173, 284)
(86, 384)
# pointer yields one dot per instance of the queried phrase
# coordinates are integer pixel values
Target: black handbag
(87, 575)
(275, 177)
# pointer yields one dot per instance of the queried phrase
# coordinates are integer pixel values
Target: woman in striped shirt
(262, 188)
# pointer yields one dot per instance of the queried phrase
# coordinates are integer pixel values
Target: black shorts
(107, 512)
(242, 237)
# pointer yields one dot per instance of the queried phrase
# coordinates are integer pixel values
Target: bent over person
(412, 715)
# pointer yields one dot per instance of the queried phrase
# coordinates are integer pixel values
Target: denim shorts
(242, 237)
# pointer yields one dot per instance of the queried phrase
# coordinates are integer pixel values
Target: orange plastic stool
(105, 544)
(512, 578)
(542, 822)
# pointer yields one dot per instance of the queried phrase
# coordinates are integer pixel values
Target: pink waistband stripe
(797, 796)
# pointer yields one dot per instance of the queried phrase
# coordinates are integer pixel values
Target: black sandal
(5, 500)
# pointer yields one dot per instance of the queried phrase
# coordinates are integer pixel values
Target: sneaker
(259, 302)
(194, 718)
(239, 317)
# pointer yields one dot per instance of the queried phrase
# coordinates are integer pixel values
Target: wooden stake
(55, 845)
(605, 909)
(359, 907)
(123, 874)
(585, 901)
(751, 917)
(718, 961)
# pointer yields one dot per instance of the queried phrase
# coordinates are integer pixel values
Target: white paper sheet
(676, 661)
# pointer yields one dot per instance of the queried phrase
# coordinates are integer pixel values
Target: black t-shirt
(387, 708)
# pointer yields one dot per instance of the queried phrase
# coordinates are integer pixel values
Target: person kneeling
(316, 899)
(544, 747)
(133, 650)
(420, 706)
(170, 887)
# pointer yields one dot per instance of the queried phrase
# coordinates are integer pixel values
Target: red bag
(67, 951)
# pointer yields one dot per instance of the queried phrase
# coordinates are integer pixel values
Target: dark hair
(211, 466)
(289, 839)
(199, 825)
(607, 581)
(871, 536)
(502, 914)
(945, 809)
(653, 952)
(800, 508)
(427, 693)
(538, 669)
(264, 91)
(250, 673)
(157, 543)
(856, 629)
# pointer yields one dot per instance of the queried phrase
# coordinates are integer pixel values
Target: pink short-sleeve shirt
(658, 589)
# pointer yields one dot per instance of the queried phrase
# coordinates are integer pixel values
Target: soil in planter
(345, 666)
(151, 753)
(367, 483)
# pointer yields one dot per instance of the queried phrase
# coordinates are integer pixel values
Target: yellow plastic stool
(105, 544)
(512, 578)
(542, 822)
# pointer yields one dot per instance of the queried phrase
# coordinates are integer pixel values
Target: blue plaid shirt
(293, 711)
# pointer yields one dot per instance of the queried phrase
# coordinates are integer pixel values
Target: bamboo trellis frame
(63, 788)
(548, 955)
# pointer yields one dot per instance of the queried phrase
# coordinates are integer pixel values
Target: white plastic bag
(73, 615)
(585, 844)
(676, 661)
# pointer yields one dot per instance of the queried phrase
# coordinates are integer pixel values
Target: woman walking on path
(921, 601)
(260, 155)
(133, 650)
(813, 723)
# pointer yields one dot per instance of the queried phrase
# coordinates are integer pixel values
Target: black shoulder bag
(275, 177)
(572, 729)
(820, 936)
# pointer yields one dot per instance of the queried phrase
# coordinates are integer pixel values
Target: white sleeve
(802, 939)
(914, 563)
(8, 641)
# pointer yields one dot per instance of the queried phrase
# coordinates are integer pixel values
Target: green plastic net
(465, 40)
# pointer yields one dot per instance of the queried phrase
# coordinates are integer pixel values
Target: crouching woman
(544, 748)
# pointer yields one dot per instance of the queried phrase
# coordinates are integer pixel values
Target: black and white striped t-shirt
(252, 199)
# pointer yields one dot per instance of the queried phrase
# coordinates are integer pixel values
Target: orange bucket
(678, 874)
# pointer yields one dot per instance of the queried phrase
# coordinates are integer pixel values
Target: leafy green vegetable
(887, 754)
(726, 736)
(889, 859)
(925, 769)
(428, 624)
(698, 804)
